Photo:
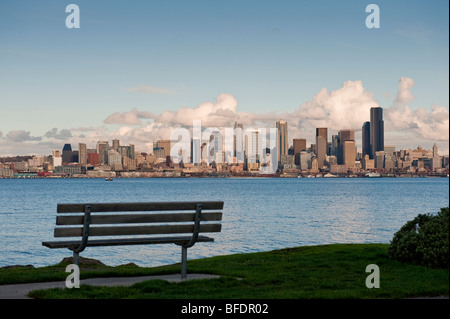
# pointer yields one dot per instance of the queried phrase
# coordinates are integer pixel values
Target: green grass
(319, 272)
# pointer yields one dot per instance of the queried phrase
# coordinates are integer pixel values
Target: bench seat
(180, 240)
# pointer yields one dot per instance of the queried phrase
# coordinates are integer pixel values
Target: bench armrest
(198, 215)
(86, 225)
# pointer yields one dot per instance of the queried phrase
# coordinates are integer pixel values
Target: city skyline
(157, 68)
(245, 151)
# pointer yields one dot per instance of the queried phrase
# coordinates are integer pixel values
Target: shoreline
(110, 175)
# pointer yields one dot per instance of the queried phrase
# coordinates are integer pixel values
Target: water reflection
(259, 214)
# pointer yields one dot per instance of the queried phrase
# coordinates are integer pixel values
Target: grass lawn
(309, 272)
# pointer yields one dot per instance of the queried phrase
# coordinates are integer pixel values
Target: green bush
(423, 241)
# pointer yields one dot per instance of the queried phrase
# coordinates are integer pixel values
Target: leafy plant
(423, 241)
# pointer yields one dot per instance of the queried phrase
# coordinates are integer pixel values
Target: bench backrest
(152, 219)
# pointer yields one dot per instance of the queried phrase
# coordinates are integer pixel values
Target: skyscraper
(299, 145)
(282, 138)
(102, 150)
(116, 144)
(238, 139)
(83, 155)
(321, 145)
(366, 139)
(436, 161)
(376, 130)
(67, 154)
(349, 153)
(344, 135)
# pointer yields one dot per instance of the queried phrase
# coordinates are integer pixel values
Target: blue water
(260, 214)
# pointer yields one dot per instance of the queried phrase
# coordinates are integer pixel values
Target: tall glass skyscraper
(366, 139)
(376, 130)
(282, 138)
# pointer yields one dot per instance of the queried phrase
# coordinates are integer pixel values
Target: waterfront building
(345, 135)
(436, 161)
(321, 145)
(366, 139)
(254, 147)
(67, 154)
(116, 144)
(93, 158)
(56, 157)
(115, 160)
(282, 138)
(335, 146)
(238, 140)
(376, 130)
(348, 153)
(379, 160)
(305, 160)
(161, 148)
(299, 145)
(102, 150)
(195, 151)
(82, 154)
(368, 163)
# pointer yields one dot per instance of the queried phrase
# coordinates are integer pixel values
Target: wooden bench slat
(136, 230)
(138, 218)
(130, 207)
(126, 241)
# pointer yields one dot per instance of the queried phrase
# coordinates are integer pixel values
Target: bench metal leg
(183, 262)
(75, 259)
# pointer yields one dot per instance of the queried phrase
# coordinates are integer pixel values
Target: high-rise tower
(366, 139)
(321, 145)
(376, 130)
(282, 138)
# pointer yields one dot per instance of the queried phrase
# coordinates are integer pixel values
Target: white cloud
(128, 118)
(347, 107)
(220, 113)
(404, 95)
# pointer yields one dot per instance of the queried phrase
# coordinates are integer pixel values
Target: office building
(254, 147)
(161, 148)
(345, 135)
(305, 160)
(116, 144)
(299, 145)
(82, 154)
(67, 154)
(436, 160)
(349, 153)
(282, 138)
(321, 145)
(102, 150)
(366, 139)
(376, 130)
(379, 160)
(238, 141)
(57, 159)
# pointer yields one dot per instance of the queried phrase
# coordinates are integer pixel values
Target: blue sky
(159, 56)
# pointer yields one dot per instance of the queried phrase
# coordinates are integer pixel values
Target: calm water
(259, 214)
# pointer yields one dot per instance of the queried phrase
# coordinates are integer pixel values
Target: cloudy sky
(135, 70)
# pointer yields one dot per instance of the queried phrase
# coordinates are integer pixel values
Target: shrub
(423, 241)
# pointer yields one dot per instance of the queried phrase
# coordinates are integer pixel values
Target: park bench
(161, 222)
